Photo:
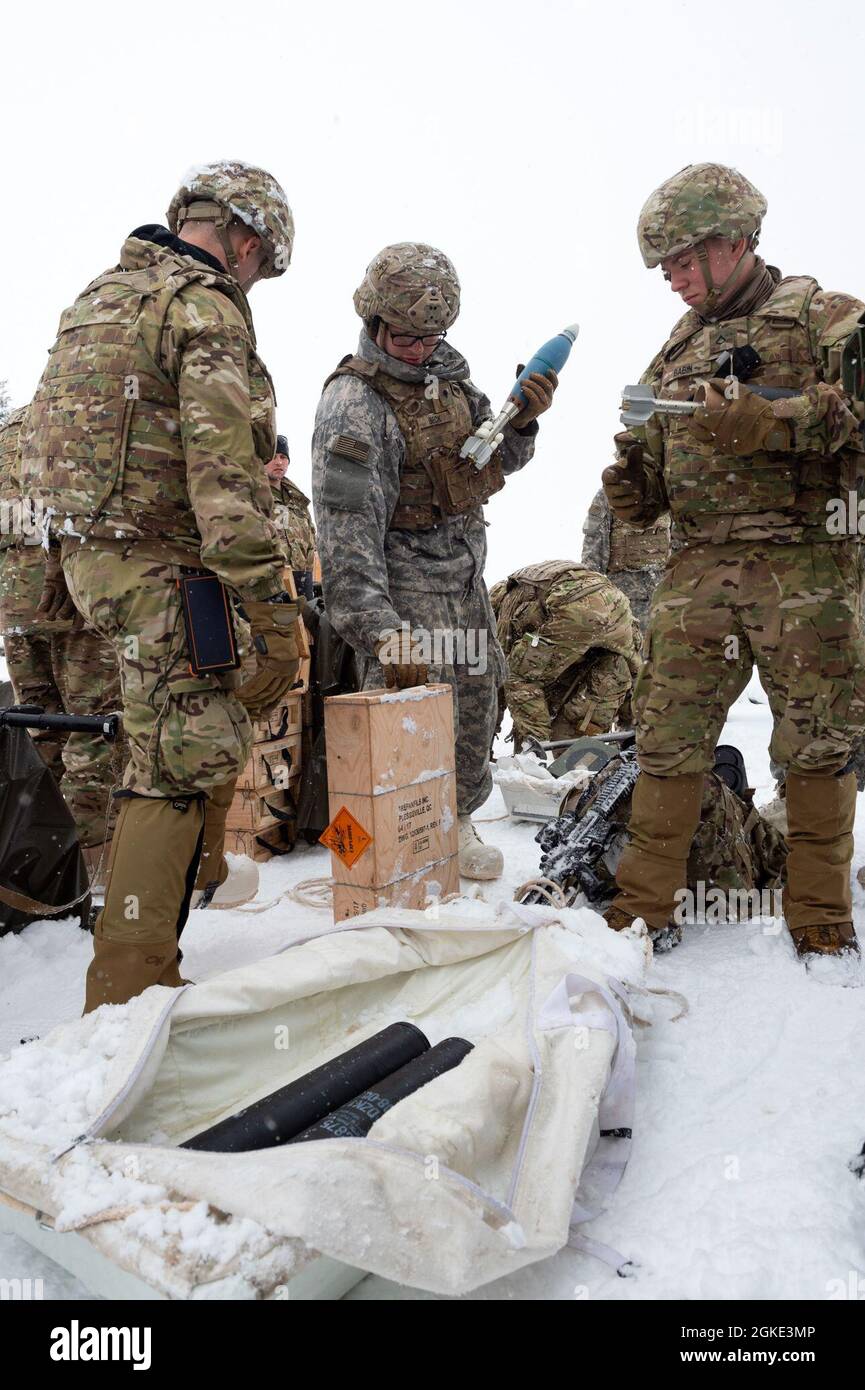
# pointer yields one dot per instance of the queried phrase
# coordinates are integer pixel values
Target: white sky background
(521, 138)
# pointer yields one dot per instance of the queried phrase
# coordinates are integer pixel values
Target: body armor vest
(103, 442)
(777, 492)
(638, 550)
(435, 482)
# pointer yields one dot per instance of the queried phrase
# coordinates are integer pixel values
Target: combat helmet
(412, 286)
(702, 200)
(229, 189)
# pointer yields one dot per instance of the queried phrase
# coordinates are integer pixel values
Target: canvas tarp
(463, 1182)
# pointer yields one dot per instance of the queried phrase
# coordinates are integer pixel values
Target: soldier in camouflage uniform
(759, 577)
(400, 516)
(291, 514)
(633, 559)
(148, 437)
(572, 646)
(54, 661)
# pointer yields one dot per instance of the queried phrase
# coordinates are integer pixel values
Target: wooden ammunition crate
(254, 809)
(380, 740)
(260, 844)
(392, 795)
(284, 719)
(270, 782)
(272, 765)
(436, 881)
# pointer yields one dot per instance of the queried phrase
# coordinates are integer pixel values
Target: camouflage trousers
(64, 672)
(186, 734)
(466, 654)
(588, 701)
(793, 610)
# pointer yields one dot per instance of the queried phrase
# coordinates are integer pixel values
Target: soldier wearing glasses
(400, 515)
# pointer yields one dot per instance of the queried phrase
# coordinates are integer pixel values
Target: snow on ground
(749, 1108)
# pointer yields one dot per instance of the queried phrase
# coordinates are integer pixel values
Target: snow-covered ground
(749, 1108)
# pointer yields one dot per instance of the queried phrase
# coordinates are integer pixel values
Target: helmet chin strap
(221, 218)
(716, 293)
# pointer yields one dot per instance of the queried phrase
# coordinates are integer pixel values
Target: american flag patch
(350, 448)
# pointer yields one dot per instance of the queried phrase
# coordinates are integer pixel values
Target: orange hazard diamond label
(346, 837)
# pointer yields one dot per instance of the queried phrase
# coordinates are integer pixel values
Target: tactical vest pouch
(459, 486)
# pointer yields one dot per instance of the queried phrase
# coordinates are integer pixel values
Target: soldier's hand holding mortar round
(538, 390)
(745, 424)
(625, 485)
(274, 640)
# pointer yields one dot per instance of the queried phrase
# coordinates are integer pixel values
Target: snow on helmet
(230, 188)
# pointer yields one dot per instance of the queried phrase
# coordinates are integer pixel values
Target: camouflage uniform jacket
(798, 332)
(10, 487)
(154, 419)
(363, 559)
(291, 514)
(22, 558)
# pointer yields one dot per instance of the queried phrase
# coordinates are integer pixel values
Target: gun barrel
(107, 725)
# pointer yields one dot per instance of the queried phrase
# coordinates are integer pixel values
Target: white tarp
(466, 1180)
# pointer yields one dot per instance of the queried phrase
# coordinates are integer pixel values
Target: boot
(154, 860)
(238, 887)
(818, 904)
(836, 940)
(665, 813)
(663, 939)
(476, 859)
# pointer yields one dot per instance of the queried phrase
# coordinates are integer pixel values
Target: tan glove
(741, 426)
(274, 640)
(400, 675)
(538, 390)
(55, 602)
(625, 485)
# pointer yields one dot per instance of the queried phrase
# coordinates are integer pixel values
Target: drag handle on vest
(281, 1116)
(552, 356)
(34, 717)
(357, 1118)
(639, 402)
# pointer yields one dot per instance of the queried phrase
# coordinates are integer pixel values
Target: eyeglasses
(409, 339)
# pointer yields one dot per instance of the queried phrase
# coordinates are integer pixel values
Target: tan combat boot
(662, 940)
(476, 859)
(665, 813)
(818, 905)
(154, 858)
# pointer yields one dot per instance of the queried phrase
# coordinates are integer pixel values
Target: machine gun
(574, 844)
(34, 717)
